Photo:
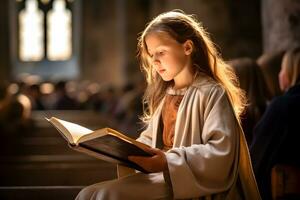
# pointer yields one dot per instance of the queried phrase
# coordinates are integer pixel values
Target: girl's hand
(156, 163)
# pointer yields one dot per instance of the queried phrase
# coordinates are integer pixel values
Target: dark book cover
(116, 148)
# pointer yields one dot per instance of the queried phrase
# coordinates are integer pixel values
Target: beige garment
(138, 186)
(209, 158)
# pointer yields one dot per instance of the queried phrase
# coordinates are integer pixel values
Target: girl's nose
(155, 61)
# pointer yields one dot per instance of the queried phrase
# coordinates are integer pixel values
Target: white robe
(209, 158)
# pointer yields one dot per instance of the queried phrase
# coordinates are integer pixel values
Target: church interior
(77, 60)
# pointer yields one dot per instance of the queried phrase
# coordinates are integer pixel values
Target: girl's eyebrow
(156, 48)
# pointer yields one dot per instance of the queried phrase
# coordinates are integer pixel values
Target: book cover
(116, 149)
(106, 143)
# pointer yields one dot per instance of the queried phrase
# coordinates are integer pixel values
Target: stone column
(281, 24)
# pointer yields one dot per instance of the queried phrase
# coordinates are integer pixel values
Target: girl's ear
(188, 47)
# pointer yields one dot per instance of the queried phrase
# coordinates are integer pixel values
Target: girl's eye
(161, 52)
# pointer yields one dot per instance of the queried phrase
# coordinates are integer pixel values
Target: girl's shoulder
(205, 84)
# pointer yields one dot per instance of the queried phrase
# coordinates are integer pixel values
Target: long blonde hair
(205, 59)
(291, 64)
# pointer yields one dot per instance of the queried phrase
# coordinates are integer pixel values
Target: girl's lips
(161, 71)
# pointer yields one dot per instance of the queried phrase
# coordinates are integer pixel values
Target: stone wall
(101, 42)
(4, 45)
(281, 24)
(233, 25)
(109, 31)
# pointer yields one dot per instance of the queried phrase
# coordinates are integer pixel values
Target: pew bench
(285, 182)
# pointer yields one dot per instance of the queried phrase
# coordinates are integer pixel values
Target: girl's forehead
(155, 39)
(160, 35)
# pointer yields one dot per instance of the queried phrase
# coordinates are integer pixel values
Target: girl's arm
(146, 136)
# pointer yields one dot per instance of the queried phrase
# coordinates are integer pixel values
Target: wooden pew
(285, 182)
(36, 146)
(43, 170)
(39, 192)
(39, 164)
(50, 176)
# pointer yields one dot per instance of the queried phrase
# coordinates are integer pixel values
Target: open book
(106, 144)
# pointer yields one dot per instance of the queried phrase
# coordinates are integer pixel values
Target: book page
(75, 130)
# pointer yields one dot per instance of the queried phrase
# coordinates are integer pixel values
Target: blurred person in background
(270, 64)
(35, 96)
(15, 111)
(253, 83)
(276, 136)
(63, 99)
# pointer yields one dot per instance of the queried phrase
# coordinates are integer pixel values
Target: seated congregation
(271, 120)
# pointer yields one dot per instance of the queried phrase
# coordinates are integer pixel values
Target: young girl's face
(170, 59)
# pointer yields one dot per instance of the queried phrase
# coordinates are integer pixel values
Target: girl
(192, 114)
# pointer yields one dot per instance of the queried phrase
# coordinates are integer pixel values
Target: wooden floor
(40, 165)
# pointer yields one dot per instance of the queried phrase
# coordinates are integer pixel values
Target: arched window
(45, 38)
(59, 32)
(31, 37)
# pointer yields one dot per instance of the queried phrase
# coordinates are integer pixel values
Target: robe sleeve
(209, 167)
(146, 136)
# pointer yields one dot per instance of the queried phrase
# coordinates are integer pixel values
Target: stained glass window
(45, 38)
(59, 31)
(31, 35)
(32, 31)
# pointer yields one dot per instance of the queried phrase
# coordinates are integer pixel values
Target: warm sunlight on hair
(205, 57)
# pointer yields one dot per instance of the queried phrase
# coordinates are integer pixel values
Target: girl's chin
(166, 78)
